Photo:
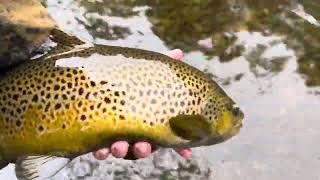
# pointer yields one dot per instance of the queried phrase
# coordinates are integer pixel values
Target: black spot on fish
(56, 96)
(40, 128)
(35, 98)
(88, 95)
(83, 117)
(15, 97)
(121, 117)
(69, 85)
(103, 82)
(199, 100)
(57, 106)
(56, 87)
(153, 101)
(99, 105)
(64, 97)
(47, 107)
(107, 100)
(81, 91)
(18, 123)
(182, 103)
(92, 83)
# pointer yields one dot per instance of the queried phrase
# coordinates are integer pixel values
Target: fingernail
(119, 149)
(185, 153)
(178, 54)
(101, 154)
(142, 149)
(175, 54)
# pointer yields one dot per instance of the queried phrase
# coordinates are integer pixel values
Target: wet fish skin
(79, 100)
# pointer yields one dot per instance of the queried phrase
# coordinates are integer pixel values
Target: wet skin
(142, 149)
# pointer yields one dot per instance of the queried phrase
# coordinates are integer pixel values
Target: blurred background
(265, 54)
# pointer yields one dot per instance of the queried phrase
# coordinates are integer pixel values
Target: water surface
(264, 55)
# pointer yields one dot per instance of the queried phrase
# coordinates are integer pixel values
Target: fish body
(81, 99)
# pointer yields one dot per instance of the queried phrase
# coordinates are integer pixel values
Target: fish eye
(236, 111)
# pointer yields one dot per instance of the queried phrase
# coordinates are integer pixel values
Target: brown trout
(77, 99)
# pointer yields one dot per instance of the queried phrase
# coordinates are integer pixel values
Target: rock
(24, 26)
(164, 164)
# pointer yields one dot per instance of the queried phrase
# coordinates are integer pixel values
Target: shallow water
(264, 55)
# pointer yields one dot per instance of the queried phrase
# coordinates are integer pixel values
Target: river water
(265, 54)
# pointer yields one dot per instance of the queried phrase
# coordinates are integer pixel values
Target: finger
(175, 54)
(119, 149)
(142, 149)
(185, 153)
(102, 154)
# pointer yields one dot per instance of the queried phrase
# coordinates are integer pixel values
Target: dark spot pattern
(60, 97)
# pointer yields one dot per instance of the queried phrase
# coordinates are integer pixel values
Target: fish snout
(237, 114)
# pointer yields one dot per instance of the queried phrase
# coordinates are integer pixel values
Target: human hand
(139, 149)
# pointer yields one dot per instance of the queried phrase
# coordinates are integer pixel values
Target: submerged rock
(24, 26)
(165, 164)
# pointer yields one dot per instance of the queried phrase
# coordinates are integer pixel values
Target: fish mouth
(238, 125)
(209, 141)
(236, 129)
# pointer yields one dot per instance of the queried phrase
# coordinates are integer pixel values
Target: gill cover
(190, 127)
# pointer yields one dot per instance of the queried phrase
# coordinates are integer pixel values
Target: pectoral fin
(190, 127)
(28, 168)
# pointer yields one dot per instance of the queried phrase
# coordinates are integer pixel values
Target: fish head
(219, 120)
(224, 125)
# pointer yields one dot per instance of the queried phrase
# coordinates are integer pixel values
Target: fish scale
(77, 100)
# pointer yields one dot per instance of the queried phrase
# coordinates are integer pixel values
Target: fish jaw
(226, 126)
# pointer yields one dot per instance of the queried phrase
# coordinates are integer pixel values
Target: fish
(78, 98)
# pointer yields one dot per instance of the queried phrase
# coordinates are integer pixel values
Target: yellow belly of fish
(77, 137)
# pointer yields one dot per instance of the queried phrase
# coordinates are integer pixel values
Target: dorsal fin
(3, 164)
(28, 168)
(64, 39)
(65, 43)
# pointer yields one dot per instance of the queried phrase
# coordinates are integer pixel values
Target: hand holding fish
(141, 149)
